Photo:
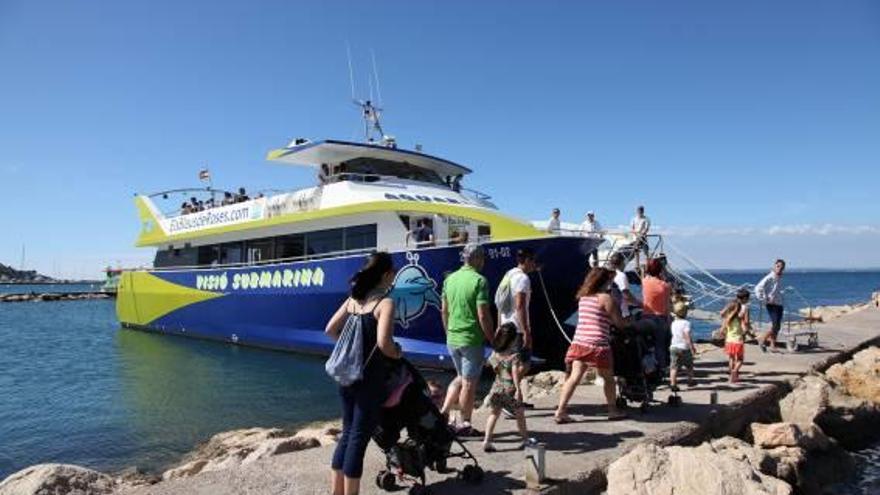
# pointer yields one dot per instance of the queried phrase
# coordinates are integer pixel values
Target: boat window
(290, 246)
(484, 232)
(391, 196)
(453, 201)
(360, 237)
(176, 257)
(231, 253)
(260, 250)
(407, 197)
(324, 241)
(403, 170)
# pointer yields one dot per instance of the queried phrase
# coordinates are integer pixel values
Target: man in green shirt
(467, 320)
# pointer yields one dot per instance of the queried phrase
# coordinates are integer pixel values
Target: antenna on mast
(371, 113)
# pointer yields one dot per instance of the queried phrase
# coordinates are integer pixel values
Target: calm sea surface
(75, 388)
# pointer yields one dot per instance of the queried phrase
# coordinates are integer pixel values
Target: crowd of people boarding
(605, 306)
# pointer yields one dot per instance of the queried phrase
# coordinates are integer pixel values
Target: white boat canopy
(330, 152)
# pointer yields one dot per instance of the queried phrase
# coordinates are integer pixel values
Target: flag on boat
(204, 174)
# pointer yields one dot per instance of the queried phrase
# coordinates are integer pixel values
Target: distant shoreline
(51, 282)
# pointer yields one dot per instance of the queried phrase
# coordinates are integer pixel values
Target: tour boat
(269, 271)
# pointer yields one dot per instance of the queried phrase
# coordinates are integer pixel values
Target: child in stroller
(634, 365)
(429, 438)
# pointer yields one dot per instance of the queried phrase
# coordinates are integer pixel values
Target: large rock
(860, 376)
(652, 470)
(241, 447)
(57, 479)
(787, 463)
(850, 420)
(806, 436)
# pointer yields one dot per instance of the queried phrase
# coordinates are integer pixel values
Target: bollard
(713, 398)
(534, 464)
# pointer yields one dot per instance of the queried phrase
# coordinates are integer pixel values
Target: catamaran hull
(285, 306)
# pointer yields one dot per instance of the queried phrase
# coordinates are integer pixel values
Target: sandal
(563, 420)
(619, 415)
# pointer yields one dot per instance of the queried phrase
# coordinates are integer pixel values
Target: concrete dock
(577, 453)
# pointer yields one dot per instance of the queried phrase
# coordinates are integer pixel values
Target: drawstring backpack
(346, 363)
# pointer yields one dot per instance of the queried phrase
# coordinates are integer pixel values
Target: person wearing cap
(467, 320)
(553, 225)
(592, 228)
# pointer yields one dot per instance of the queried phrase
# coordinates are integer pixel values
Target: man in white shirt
(512, 299)
(553, 225)
(621, 282)
(592, 228)
(769, 291)
(639, 227)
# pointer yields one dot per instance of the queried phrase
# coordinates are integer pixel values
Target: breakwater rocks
(227, 450)
(804, 453)
(55, 296)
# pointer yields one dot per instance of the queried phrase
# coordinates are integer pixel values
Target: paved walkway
(577, 453)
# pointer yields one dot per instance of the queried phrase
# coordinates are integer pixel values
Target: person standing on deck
(423, 234)
(467, 321)
(512, 299)
(553, 226)
(769, 291)
(592, 228)
(639, 227)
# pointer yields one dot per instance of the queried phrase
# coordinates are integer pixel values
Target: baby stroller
(635, 366)
(429, 439)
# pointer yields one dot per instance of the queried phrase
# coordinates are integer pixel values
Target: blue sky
(750, 129)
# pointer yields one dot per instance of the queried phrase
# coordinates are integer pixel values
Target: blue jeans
(775, 312)
(361, 406)
(468, 360)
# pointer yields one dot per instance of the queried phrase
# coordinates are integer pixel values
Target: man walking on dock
(467, 320)
(769, 291)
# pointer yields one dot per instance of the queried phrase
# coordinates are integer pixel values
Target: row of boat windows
(421, 197)
(308, 244)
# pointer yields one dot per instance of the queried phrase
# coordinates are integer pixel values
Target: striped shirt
(593, 326)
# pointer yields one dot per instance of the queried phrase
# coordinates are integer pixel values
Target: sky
(749, 129)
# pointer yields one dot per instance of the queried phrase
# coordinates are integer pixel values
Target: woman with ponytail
(362, 400)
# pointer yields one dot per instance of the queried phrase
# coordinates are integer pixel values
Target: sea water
(76, 388)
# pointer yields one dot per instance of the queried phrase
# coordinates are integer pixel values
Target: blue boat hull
(285, 306)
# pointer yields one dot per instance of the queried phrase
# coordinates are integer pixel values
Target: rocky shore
(806, 451)
(53, 296)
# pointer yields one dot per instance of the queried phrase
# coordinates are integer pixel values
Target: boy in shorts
(681, 350)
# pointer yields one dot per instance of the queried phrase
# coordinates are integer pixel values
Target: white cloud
(773, 230)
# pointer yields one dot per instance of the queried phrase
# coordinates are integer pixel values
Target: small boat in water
(269, 271)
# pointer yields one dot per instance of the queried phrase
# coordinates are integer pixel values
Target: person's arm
(612, 310)
(522, 315)
(760, 289)
(688, 340)
(385, 330)
(334, 326)
(444, 313)
(484, 314)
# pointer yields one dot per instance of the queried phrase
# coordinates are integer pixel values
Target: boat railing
(403, 247)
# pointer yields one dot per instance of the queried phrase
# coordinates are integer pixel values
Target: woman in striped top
(591, 346)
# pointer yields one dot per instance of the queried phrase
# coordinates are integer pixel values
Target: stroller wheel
(386, 480)
(440, 466)
(472, 474)
(643, 407)
(419, 490)
(674, 400)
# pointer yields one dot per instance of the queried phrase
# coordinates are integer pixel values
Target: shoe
(489, 448)
(468, 431)
(528, 405)
(674, 388)
(763, 347)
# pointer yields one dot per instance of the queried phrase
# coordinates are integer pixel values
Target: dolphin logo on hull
(413, 291)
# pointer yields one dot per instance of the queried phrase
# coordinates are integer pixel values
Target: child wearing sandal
(681, 350)
(505, 390)
(734, 341)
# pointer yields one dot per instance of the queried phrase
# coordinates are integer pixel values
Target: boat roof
(334, 152)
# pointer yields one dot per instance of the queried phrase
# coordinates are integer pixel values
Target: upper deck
(352, 179)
